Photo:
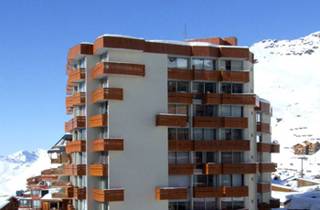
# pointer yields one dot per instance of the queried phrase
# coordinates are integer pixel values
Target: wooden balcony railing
(76, 75)
(263, 127)
(263, 187)
(267, 167)
(181, 169)
(104, 94)
(209, 192)
(108, 195)
(75, 100)
(104, 145)
(75, 123)
(171, 120)
(102, 69)
(222, 145)
(75, 146)
(183, 98)
(220, 122)
(171, 193)
(181, 145)
(230, 168)
(241, 99)
(74, 170)
(65, 193)
(266, 147)
(79, 193)
(100, 120)
(100, 170)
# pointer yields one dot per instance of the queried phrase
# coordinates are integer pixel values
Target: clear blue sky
(35, 36)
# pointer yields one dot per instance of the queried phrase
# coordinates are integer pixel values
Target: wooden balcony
(182, 98)
(180, 145)
(267, 167)
(222, 145)
(266, 147)
(100, 120)
(79, 193)
(171, 193)
(239, 168)
(180, 74)
(77, 99)
(100, 170)
(108, 195)
(171, 120)
(212, 168)
(75, 146)
(263, 127)
(181, 169)
(65, 193)
(206, 75)
(275, 148)
(235, 76)
(239, 99)
(263, 187)
(102, 69)
(220, 122)
(59, 159)
(104, 145)
(75, 123)
(211, 192)
(228, 168)
(76, 75)
(74, 170)
(104, 94)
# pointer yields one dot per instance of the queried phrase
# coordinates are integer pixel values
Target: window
(79, 111)
(204, 87)
(205, 180)
(231, 111)
(79, 134)
(103, 133)
(232, 65)
(178, 86)
(205, 157)
(231, 88)
(203, 64)
(231, 157)
(180, 63)
(205, 110)
(36, 204)
(178, 133)
(205, 204)
(258, 138)
(103, 57)
(204, 134)
(178, 109)
(231, 134)
(179, 205)
(258, 117)
(178, 157)
(232, 205)
(234, 180)
(103, 108)
(80, 64)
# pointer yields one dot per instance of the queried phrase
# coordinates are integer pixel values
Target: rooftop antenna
(185, 32)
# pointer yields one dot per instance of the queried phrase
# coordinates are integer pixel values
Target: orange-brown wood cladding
(267, 167)
(220, 122)
(215, 98)
(104, 145)
(275, 148)
(98, 170)
(264, 107)
(228, 168)
(65, 193)
(102, 69)
(266, 147)
(172, 193)
(76, 75)
(171, 120)
(75, 100)
(188, 74)
(80, 49)
(170, 48)
(222, 145)
(263, 187)
(207, 192)
(181, 169)
(79, 193)
(108, 195)
(99, 120)
(180, 145)
(183, 98)
(103, 94)
(75, 146)
(77, 122)
(74, 170)
(263, 127)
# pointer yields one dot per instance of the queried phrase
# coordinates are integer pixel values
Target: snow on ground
(16, 168)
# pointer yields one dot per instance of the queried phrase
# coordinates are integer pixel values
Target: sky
(35, 36)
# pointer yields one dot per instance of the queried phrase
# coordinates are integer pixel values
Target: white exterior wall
(143, 165)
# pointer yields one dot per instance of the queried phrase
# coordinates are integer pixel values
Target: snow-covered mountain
(17, 167)
(287, 73)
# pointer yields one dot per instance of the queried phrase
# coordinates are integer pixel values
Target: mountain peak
(23, 156)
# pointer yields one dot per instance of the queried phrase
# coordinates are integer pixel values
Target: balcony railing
(220, 122)
(65, 193)
(75, 100)
(209, 192)
(74, 170)
(171, 193)
(171, 120)
(76, 75)
(100, 170)
(241, 99)
(104, 94)
(263, 187)
(79, 193)
(222, 145)
(181, 169)
(266, 147)
(230, 168)
(100, 120)
(263, 127)
(183, 98)
(75, 146)
(104, 145)
(102, 69)
(75, 123)
(267, 167)
(108, 195)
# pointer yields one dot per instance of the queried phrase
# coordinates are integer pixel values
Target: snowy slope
(16, 168)
(287, 73)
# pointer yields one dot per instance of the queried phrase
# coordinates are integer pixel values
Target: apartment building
(166, 125)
